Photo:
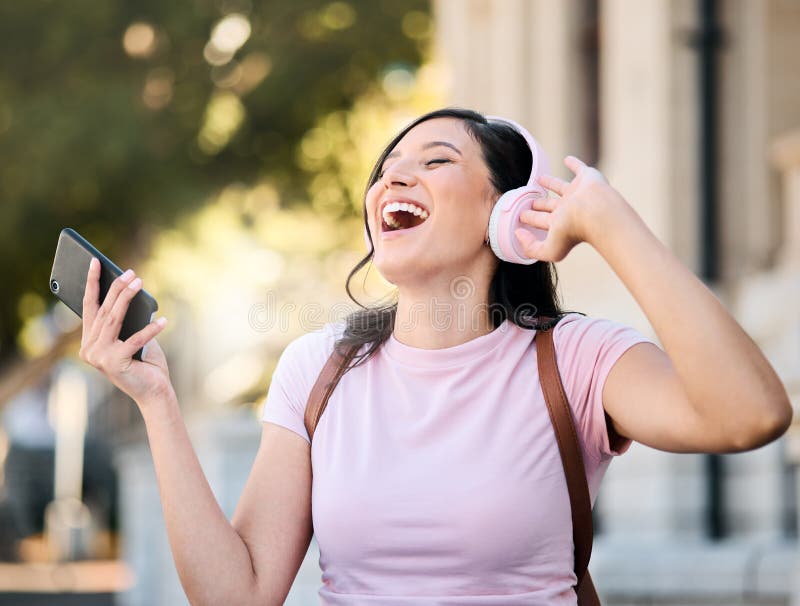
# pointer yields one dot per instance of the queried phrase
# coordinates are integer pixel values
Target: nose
(395, 175)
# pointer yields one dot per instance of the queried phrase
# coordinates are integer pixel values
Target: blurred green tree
(116, 117)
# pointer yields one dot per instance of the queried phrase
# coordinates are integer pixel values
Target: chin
(399, 271)
(392, 273)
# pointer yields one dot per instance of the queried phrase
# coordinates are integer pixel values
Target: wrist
(158, 403)
(601, 218)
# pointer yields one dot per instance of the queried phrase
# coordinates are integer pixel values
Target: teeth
(392, 207)
(404, 206)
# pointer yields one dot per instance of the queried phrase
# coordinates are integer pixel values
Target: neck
(444, 311)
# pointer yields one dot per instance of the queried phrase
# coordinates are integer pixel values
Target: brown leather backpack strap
(587, 594)
(571, 459)
(323, 388)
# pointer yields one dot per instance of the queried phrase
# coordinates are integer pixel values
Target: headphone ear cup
(494, 222)
(504, 220)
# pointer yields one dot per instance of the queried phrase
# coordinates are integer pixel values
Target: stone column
(648, 152)
(766, 305)
(786, 158)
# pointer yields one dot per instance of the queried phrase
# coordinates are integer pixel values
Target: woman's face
(438, 168)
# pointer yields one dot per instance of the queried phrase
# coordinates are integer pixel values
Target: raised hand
(565, 218)
(102, 348)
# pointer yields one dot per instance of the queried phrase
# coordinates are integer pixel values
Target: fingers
(552, 183)
(532, 246)
(139, 339)
(93, 349)
(91, 295)
(108, 303)
(574, 164)
(559, 185)
(113, 322)
(535, 218)
(546, 203)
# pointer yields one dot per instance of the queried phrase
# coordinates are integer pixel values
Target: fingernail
(135, 284)
(93, 263)
(127, 275)
(161, 321)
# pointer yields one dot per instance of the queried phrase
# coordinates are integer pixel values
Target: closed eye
(428, 163)
(437, 160)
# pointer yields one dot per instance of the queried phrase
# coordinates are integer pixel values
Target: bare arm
(273, 516)
(214, 559)
(712, 389)
(255, 559)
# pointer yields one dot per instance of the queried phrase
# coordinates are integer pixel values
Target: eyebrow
(428, 146)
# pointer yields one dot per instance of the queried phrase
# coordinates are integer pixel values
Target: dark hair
(518, 292)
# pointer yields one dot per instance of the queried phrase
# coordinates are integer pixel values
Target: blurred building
(691, 108)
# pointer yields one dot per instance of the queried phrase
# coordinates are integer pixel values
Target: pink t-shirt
(436, 475)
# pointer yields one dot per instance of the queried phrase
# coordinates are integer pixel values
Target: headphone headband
(539, 162)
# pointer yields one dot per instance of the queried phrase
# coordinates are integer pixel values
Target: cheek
(461, 228)
(371, 201)
(372, 194)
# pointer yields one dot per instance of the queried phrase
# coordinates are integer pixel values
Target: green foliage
(117, 130)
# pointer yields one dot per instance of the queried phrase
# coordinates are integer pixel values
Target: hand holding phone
(116, 315)
(68, 282)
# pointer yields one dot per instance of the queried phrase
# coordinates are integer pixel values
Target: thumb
(532, 246)
(524, 236)
(153, 354)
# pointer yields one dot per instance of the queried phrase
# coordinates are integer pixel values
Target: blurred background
(221, 147)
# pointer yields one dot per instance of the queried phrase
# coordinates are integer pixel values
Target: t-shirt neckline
(446, 356)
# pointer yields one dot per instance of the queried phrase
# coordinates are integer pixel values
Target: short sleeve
(295, 374)
(586, 351)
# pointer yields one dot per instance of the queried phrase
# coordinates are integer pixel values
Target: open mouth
(396, 216)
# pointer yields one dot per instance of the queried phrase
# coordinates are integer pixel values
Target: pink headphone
(504, 219)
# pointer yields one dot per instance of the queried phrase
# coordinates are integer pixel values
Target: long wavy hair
(522, 293)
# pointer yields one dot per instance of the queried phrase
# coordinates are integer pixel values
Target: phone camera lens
(54, 286)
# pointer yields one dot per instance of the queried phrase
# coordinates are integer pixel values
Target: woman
(436, 476)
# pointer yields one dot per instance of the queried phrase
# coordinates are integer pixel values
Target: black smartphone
(68, 282)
